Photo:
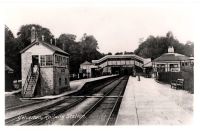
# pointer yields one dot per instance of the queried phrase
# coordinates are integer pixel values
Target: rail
(14, 120)
(37, 73)
(91, 109)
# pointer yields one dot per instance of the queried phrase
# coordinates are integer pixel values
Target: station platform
(14, 100)
(75, 86)
(147, 102)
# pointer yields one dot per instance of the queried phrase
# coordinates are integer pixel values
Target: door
(35, 60)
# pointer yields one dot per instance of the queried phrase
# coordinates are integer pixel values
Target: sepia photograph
(98, 64)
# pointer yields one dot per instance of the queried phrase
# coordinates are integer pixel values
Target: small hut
(8, 78)
(87, 70)
(45, 68)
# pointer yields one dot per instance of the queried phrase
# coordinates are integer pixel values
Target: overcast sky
(116, 28)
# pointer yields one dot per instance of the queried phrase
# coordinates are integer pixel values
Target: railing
(27, 80)
(36, 73)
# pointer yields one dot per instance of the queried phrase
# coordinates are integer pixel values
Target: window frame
(61, 61)
(49, 59)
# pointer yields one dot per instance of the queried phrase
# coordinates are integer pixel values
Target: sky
(117, 28)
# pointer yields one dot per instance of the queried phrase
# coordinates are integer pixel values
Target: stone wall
(46, 80)
(63, 74)
(26, 60)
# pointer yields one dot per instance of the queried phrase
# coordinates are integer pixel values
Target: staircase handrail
(35, 80)
(27, 79)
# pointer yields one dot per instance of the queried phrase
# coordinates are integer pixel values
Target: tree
(65, 41)
(119, 53)
(109, 53)
(12, 55)
(189, 48)
(85, 49)
(154, 47)
(89, 46)
(24, 34)
(128, 53)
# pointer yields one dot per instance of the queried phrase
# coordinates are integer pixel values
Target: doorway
(35, 60)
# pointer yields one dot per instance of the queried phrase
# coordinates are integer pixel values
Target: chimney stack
(51, 41)
(33, 34)
(170, 49)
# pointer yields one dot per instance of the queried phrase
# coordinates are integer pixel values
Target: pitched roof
(86, 63)
(171, 57)
(54, 48)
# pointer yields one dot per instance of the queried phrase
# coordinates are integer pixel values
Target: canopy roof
(171, 57)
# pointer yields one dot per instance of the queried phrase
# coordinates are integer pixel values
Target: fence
(186, 74)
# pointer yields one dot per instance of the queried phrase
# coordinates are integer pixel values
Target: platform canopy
(171, 57)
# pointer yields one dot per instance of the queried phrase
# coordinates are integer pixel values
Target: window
(49, 60)
(186, 64)
(61, 60)
(59, 81)
(42, 60)
(46, 60)
(174, 68)
(161, 67)
(64, 61)
(173, 65)
(56, 60)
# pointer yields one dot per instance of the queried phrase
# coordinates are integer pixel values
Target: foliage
(109, 53)
(128, 53)
(153, 47)
(119, 53)
(85, 49)
(12, 55)
(24, 34)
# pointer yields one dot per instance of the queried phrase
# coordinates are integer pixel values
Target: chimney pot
(170, 49)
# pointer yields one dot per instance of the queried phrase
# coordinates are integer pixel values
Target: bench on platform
(177, 84)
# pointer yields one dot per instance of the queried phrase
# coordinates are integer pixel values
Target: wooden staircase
(31, 82)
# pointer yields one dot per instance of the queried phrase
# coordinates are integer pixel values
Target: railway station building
(172, 62)
(172, 66)
(121, 64)
(87, 70)
(44, 67)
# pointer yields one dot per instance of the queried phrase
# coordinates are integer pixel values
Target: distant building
(87, 70)
(45, 68)
(120, 64)
(172, 62)
(8, 78)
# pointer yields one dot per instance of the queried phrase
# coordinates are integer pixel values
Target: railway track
(24, 105)
(40, 115)
(104, 111)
